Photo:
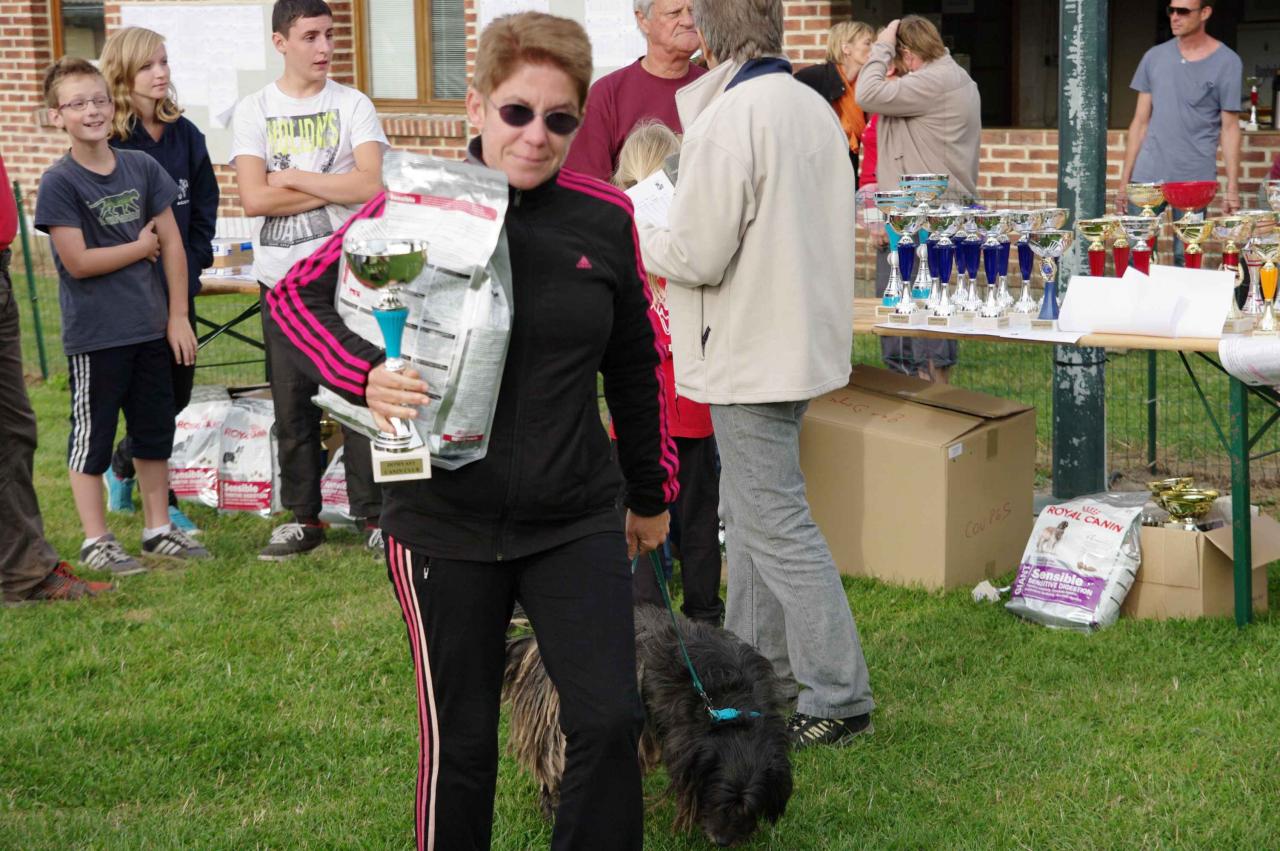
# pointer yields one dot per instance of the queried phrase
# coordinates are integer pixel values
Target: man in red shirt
(644, 89)
(30, 570)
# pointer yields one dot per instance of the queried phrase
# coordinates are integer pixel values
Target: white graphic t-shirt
(318, 134)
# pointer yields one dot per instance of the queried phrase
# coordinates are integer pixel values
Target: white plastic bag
(1079, 564)
(335, 507)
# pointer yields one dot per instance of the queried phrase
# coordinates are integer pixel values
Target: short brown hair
(739, 30)
(64, 68)
(285, 12)
(535, 38)
(921, 37)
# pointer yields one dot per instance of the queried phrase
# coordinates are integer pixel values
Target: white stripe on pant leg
(81, 424)
(86, 412)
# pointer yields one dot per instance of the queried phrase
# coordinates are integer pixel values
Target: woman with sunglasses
(534, 520)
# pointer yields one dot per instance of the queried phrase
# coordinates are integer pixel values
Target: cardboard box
(919, 483)
(1191, 574)
(231, 253)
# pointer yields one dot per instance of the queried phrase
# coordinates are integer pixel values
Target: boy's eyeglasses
(519, 115)
(1180, 11)
(81, 104)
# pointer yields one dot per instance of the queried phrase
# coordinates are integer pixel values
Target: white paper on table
(652, 199)
(1133, 304)
(1208, 294)
(1253, 360)
(1068, 338)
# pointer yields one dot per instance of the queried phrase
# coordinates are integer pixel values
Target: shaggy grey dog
(725, 776)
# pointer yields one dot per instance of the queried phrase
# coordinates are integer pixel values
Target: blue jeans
(785, 597)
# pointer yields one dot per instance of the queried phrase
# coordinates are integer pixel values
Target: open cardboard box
(1190, 574)
(919, 483)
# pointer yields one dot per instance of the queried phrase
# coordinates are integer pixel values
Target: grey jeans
(785, 596)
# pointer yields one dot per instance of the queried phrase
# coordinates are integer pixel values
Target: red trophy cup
(1190, 196)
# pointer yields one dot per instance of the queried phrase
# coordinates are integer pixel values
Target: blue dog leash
(718, 716)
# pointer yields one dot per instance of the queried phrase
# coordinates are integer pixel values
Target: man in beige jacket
(758, 257)
(930, 122)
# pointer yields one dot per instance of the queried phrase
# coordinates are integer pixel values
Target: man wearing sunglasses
(645, 89)
(1188, 100)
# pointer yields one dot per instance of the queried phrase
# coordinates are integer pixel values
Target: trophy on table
(907, 223)
(1049, 245)
(926, 188)
(991, 225)
(1191, 196)
(1146, 195)
(1253, 103)
(387, 263)
(1232, 230)
(887, 203)
(943, 223)
(966, 234)
(1264, 250)
(1139, 229)
(1097, 231)
(1023, 222)
(1264, 222)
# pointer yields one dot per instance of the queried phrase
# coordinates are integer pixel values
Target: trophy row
(1251, 236)
(935, 239)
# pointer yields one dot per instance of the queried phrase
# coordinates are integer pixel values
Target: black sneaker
(107, 554)
(174, 544)
(292, 539)
(808, 730)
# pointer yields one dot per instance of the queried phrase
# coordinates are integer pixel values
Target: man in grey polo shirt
(1188, 96)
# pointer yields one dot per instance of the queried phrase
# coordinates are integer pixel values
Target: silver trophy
(943, 224)
(386, 263)
(889, 202)
(1049, 245)
(991, 224)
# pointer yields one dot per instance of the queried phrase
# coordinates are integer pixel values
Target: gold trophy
(387, 264)
(1192, 233)
(1187, 507)
(1146, 195)
(1096, 231)
(1139, 229)
(1264, 221)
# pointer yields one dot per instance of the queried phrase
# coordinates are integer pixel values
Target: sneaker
(62, 584)
(808, 730)
(292, 539)
(107, 554)
(374, 541)
(182, 522)
(174, 544)
(119, 493)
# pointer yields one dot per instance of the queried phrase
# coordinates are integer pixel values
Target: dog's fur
(1049, 537)
(724, 776)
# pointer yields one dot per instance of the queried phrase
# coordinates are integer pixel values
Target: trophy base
(1239, 325)
(400, 465)
(990, 323)
(1038, 324)
(1021, 321)
(955, 320)
(884, 311)
(915, 319)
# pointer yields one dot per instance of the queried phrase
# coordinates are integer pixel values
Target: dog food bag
(335, 509)
(197, 445)
(459, 306)
(1079, 564)
(247, 476)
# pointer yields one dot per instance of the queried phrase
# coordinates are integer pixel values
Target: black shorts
(136, 379)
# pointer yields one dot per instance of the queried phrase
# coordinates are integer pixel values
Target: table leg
(1152, 413)
(1241, 518)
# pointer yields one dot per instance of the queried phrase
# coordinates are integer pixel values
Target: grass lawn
(239, 704)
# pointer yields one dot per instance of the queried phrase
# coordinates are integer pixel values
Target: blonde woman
(147, 118)
(848, 48)
(695, 525)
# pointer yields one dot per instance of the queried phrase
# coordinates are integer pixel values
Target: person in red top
(30, 570)
(695, 526)
(645, 89)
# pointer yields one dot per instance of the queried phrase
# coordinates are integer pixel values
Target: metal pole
(1152, 423)
(1241, 516)
(1079, 374)
(31, 281)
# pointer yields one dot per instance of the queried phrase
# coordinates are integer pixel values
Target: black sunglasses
(518, 115)
(1180, 11)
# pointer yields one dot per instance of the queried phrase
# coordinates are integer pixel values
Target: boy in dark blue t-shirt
(108, 216)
